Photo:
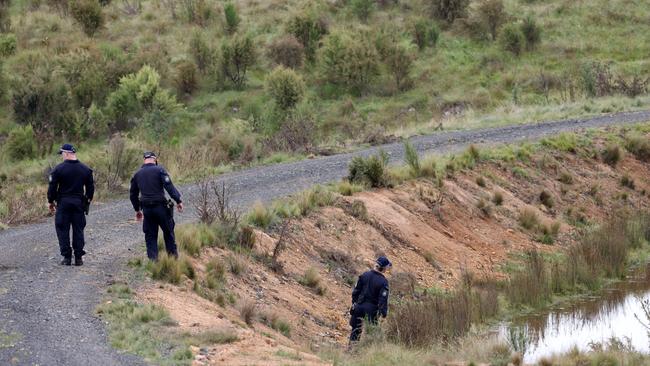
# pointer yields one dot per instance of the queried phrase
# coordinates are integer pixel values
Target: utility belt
(168, 204)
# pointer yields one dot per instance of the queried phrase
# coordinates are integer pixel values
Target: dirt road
(47, 311)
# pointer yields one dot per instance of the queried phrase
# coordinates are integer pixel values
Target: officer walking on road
(71, 189)
(369, 298)
(147, 195)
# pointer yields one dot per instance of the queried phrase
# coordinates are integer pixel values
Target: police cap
(149, 155)
(383, 262)
(67, 148)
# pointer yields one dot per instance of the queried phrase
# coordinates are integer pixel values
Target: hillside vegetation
(211, 84)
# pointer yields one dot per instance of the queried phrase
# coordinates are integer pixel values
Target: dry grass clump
(312, 279)
(248, 311)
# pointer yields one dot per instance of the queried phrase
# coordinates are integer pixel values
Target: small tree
(202, 53)
(21, 144)
(348, 61)
(89, 14)
(448, 10)
(185, 77)
(287, 51)
(399, 60)
(492, 15)
(532, 32)
(286, 87)
(309, 29)
(232, 17)
(237, 56)
(363, 8)
(425, 33)
(512, 39)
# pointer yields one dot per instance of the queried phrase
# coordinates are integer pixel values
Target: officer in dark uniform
(148, 188)
(70, 191)
(369, 297)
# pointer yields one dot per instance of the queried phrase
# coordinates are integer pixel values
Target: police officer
(147, 195)
(369, 297)
(70, 190)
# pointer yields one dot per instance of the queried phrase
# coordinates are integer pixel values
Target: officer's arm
(357, 290)
(134, 194)
(169, 186)
(53, 187)
(383, 301)
(90, 186)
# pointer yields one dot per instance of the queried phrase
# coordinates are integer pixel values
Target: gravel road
(47, 311)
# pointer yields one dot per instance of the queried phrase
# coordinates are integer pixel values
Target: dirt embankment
(431, 233)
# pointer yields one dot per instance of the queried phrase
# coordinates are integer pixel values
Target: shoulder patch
(49, 178)
(167, 180)
(384, 293)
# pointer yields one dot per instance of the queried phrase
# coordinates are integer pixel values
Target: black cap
(383, 262)
(67, 148)
(149, 154)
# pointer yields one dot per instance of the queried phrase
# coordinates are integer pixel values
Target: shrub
(480, 181)
(297, 131)
(532, 32)
(528, 219)
(492, 15)
(308, 28)
(247, 311)
(639, 146)
(7, 44)
(362, 8)
(312, 279)
(627, 181)
(371, 170)
(448, 10)
(232, 17)
(185, 77)
(198, 12)
(358, 209)
(425, 33)
(20, 143)
(399, 60)
(546, 199)
(512, 39)
(287, 51)
(612, 155)
(484, 206)
(497, 198)
(597, 79)
(202, 53)
(349, 61)
(215, 276)
(89, 14)
(5, 16)
(412, 158)
(285, 86)
(237, 56)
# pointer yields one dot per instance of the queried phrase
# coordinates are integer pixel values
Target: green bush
(362, 8)
(412, 158)
(232, 17)
(399, 59)
(639, 146)
(7, 44)
(89, 14)
(448, 10)
(286, 51)
(21, 143)
(491, 15)
(532, 32)
(237, 56)
(202, 53)
(5, 16)
(512, 39)
(425, 33)
(349, 61)
(185, 77)
(308, 28)
(371, 170)
(285, 86)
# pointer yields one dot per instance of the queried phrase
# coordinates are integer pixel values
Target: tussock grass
(345, 188)
(191, 238)
(248, 311)
(215, 277)
(170, 269)
(528, 218)
(261, 216)
(612, 155)
(273, 320)
(312, 279)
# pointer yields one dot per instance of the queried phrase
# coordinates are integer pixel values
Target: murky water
(611, 314)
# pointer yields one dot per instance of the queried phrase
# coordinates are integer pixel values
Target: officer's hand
(179, 207)
(139, 216)
(52, 207)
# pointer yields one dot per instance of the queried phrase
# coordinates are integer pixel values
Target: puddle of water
(594, 320)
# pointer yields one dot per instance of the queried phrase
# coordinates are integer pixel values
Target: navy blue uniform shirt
(149, 184)
(372, 288)
(69, 179)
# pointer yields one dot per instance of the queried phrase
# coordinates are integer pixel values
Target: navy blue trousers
(361, 312)
(70, 214)
(157, 216)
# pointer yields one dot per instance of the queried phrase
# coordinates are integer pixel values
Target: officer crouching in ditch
(369, 298)
(70, 191)
(147, 195)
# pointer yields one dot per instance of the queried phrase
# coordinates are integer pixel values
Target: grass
(170, 269)
(248, 311)
(274, 321)
(312, 279)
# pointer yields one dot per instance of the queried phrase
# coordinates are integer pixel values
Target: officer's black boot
(78, 261)
(66, 261)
